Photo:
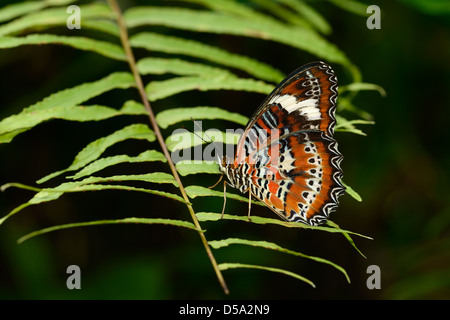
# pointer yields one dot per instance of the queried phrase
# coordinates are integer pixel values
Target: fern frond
(102, 163)
(94, 149)
(63, 104)
(217, 244)
(172, 222)
(104, 48)
(227, 265)
(174, 45)
(157, 90)
(18, 9)
(187, 139)
(288, 22)
(173, 116)
(212, 22)
(51, 17)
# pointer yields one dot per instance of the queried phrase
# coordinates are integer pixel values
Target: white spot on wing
(308, 108)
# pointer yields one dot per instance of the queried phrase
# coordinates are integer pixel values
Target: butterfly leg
(215, 184)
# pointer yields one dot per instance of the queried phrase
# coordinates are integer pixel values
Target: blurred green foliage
(400, 169)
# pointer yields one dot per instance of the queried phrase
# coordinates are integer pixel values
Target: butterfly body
(287, 156)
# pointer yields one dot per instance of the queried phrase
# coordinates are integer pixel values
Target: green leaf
(192, 167)
(212, 216)
(349, 190)
(94, 149)
(157, 90)
(232, 7)
(76, 113)
(217, 244)
(14, 211)
(102, 163)
(332, 227)
(178, 67)
(104, 48)
(57, 104)
(183, 139)
(51, 194)
(169, 44)
(169, 117)
(17, 9)
(346, 104)
(207, 21)
(226, 266)
(351, 6)
(314, 18)
(107, 26)
(53, 17)
(153, 177)
(282, 13)
(172, 222)
(198, 191)
(89, 184)
(345, 125)
(348, 237)
(359, 86)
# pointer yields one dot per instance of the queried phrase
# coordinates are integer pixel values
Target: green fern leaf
(157, 90)
(226, 266)
(212, 216)
(207, 21)
(359, 86)
(102, 163)
(18, 9)
(187, 139)
(169, 117)
(232, 7)
(62, 104)
(104, 48)
(53, 17)
(199, 191)
(351, 6)
(51, 194)
(289, 22)
(217, 244)
(349, 190)
(94, 149)
(174, 45)
(178, 67)
(153, 177)
(345, 125)
(315, 19)
(172, 222)
(188, 167)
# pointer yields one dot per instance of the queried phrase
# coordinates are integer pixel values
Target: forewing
(305, 100)
(289, 149)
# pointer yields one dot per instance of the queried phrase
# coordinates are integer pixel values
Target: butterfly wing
(287, 150)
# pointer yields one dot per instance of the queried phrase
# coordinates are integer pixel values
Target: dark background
(400, 169)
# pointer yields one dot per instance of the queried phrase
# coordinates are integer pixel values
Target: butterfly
(287, 156)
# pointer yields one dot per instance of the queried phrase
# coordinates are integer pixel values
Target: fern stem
(140, 86)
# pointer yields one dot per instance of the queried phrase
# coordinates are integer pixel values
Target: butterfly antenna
(203, 133)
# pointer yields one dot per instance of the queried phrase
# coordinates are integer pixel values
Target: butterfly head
(228, 168)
